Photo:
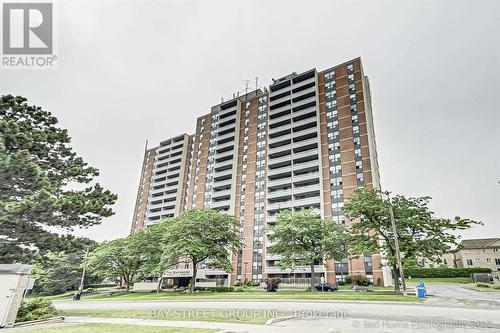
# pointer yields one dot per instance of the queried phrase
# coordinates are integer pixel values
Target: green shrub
(482, 285)
(496, 287)
(348, 279)
(443, 272)
(341, 283)
(272, 284)
(214, 289)
(101, 285)
(35, 309)
(361, 280)
(238, 283)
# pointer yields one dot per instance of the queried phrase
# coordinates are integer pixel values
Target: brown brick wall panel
(341, 71)
(344, 111)
(346, 145)
(343, 101)
(345, 123)
(349, 181)
(341, 81)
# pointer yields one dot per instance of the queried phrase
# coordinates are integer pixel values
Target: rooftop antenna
(256, 83)
(247, 84)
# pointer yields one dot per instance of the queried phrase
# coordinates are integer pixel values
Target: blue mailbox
(421, 290)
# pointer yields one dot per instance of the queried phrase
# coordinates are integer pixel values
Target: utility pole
(396, 245)
(80, 288)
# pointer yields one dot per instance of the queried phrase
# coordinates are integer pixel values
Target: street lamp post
(396, 245)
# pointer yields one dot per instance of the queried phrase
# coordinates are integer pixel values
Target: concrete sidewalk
(229, 327)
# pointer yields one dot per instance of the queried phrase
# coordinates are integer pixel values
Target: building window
(469, 262)
(497, 261)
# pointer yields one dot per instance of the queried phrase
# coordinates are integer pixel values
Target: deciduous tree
(303, 238)
(202, 236)
(129, 258)
(420, 233)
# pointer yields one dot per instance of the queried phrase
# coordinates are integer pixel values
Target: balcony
(303, 92)
(156, 191)
(280, 88)
(305, 131)
(306, 165)
(222, 183)
(278, 160)
(311, 122)
(278, 171)
(279, 205)
(298, 269)
(271, 219)
(303, 83)
(306, 153)
(225, 145)
(223, 154)
(221, 204)
(225, 136)
(286, 116)
(176, 149)
(307, 202)
(153, 214)
(281, 108)
(158, 205)
(161, 182)
(221, 194)
(279, 149)
(279, 100)
(306, 189)
(280, 138)
(273, 130)
(223, 173)
(279, 194)
(223, 113)
(304, 142)
(231, 120)
(273, 257)
(170, 211)
(304, 101)
(171, 187)
(307, 176)
(279, 182)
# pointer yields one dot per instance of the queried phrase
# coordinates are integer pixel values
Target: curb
(40, 321)
(278, 319)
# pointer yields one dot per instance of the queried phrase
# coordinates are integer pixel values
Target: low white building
(483, 252)
(14, 280)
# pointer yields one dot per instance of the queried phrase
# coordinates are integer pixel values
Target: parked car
(326, 287)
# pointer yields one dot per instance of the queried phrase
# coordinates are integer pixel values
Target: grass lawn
(112, 328)
(68, 294)
(378, 295)
(459, 280)
(246, 316)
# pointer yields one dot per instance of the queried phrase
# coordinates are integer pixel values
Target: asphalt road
(436, 315)
(457, 295)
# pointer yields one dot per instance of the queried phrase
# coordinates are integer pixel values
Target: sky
(131, 71)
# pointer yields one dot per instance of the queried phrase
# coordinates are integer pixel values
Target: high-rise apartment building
(305, 141)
